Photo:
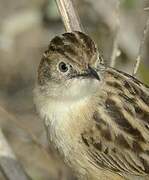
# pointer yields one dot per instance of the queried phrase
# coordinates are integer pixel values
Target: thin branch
(115, 41)
(69, 15)
(128, 39)
(146, 9)
(31, 135)
(141, 47)
(9, 165)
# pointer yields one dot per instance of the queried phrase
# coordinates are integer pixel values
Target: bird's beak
(89, 73)
(92, 73)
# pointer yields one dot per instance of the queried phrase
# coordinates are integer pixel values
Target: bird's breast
(65, 122)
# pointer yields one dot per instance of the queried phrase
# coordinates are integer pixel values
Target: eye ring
(63, 67)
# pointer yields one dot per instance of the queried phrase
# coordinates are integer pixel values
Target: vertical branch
(140, 53)
(69, 15)
(115, 41)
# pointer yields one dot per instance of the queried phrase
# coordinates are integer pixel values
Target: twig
(146, 9)
(115, 41)
(69, 15)
(128, 39)
(31, 135)
(9, 165)
(140, 53)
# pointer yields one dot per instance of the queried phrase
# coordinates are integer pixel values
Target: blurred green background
(26, 28)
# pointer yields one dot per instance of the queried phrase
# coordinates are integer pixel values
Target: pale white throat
(59, 101)
(61, 113)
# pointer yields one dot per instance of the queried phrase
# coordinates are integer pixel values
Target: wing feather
(119, 137)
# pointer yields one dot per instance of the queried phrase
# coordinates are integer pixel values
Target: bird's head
(68, 69)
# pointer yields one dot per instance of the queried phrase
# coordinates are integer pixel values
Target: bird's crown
(75, 46)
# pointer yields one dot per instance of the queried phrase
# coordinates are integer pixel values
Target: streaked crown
(76, 46)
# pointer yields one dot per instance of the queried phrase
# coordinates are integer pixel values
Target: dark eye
(63, 67)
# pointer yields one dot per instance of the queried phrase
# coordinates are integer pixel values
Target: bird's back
(119, 138)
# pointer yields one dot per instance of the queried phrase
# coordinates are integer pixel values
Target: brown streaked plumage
(97, 117)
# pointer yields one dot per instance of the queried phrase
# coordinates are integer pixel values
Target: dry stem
(140, 53)
(69, 15)
(115, 41)
(9, 165)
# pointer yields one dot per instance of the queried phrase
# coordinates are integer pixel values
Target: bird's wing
(119, 137)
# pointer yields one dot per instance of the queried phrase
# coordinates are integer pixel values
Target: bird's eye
(63, 67)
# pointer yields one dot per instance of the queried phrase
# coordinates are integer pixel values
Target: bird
(96, 116)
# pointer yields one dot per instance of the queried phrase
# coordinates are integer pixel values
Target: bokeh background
(26, 27)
